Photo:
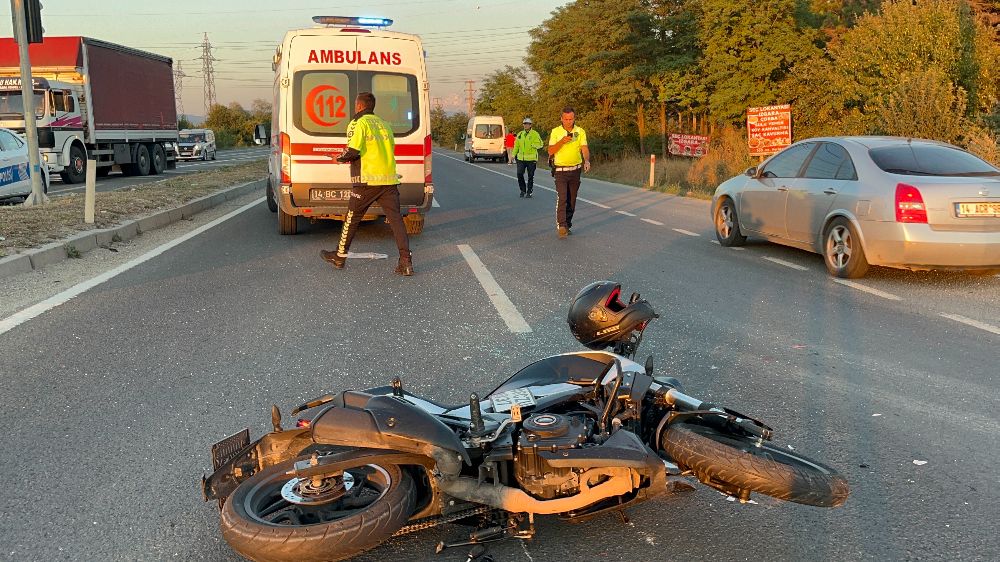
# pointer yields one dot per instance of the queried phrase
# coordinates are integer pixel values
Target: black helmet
(598, 318)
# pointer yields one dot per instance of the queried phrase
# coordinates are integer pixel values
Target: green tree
(184, 123)
(507, 93)
(749, 50)
(447, 130)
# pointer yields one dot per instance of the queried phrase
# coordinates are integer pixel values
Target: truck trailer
(94, 100)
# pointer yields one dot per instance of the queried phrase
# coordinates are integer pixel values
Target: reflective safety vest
(526, 145)
(373, 139)
(569, 154)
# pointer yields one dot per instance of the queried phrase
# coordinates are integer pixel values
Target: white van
(318, 73)
(484, 138)
(196, 144)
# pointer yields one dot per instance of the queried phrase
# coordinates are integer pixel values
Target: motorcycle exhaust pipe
(620, 481)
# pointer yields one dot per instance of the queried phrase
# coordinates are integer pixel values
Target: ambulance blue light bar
(350, 20)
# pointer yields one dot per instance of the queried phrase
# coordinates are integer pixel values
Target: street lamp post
(37, 196)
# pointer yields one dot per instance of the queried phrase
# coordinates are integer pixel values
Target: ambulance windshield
(324, 100)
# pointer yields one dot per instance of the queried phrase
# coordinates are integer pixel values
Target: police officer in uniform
(371, 150)
(570, 157)
(526, 145)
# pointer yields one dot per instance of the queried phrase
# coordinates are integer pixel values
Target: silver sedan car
(905, 203)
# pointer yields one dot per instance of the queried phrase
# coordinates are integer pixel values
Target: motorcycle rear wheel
(260, 523)
(737, 461)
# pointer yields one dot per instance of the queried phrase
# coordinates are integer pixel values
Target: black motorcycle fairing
(582, 368)
(623, 448)
(358, 419)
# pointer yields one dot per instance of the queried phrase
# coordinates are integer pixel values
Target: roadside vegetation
(233, 125)
(29, 227)
(638, 70)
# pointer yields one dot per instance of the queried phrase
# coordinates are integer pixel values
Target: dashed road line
(787, 264)
(868, 290)
(651, 221)
(974, 323)
(508, 312)
(626, 213)
(685, 232)
(594, 203)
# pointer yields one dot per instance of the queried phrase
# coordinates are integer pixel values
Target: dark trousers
(567, 186)
(363, 197)
(523, 165)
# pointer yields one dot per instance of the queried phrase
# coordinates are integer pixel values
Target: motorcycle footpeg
(489, 534)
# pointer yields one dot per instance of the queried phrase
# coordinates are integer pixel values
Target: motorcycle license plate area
(225, 450)
(505, 400)
(329, 194)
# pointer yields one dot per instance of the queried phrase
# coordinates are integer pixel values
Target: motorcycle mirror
(649, 366)
(634, 299)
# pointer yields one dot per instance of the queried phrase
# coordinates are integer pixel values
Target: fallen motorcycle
(577, 434)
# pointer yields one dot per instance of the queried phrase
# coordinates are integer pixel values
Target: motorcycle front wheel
(273, 517)
(737, 462)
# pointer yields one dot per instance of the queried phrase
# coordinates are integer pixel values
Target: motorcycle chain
(429, 522)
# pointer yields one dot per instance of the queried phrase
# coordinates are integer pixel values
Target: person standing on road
(371, 151)
(508, 147)
(570, 157)
(526, 145)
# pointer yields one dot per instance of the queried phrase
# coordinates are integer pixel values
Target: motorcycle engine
(547, 435)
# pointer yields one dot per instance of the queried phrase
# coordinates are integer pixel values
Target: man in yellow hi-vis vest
(371, 151)
(570, 157)
(526, 145)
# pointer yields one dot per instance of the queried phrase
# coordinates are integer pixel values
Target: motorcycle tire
(260, 524)
(737, 460)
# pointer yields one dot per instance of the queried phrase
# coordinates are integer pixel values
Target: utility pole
(208, 73)
(37, 196)
(436, 103)
(178, 88)
(471, 91)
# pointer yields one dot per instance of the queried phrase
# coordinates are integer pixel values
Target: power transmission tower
(471, 91)
(208, 73)
(178, 88)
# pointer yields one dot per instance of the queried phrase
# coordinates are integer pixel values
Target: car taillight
(286, 159)
(427, 160)
(909, 204)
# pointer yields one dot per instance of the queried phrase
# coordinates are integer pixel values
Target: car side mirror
(751, 171)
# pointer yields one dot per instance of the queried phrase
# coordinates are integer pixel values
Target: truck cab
(59, 120)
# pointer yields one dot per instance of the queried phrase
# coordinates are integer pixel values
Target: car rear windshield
(917, 159)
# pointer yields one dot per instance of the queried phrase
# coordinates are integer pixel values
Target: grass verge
(29, 227)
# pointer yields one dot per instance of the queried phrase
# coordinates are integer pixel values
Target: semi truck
(94, 100)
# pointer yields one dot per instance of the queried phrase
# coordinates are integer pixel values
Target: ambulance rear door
(391, 66)
(322, 70)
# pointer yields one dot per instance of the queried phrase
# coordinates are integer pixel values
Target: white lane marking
(868, 290)
(974, 323)
(687, 232)
(736, 248)
(508, 312)
(651, 221)
(716, 242)
(594, 203)
(626, 213)
(434, 202)
(11, 322)
(787, 264)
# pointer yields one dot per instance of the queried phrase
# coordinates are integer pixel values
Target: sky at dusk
(464, 39)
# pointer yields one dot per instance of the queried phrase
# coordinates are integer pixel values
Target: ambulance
(317, 74)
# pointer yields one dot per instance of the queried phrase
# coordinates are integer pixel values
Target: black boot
(405, 266)
(335, 258)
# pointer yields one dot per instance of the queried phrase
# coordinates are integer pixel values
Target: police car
(317, 74)
(15, 180)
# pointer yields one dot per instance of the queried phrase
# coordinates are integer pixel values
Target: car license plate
(991, 209)
(521, 396)
(329, 194)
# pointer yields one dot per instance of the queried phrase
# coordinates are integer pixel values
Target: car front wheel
(842, 251)
(727, 224)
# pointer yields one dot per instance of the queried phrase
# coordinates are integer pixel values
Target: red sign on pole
(769, 129)
(688, 145)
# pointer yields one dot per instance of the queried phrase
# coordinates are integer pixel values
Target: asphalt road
(112, 400)
(115, 180)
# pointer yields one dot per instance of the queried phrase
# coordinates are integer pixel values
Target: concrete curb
(83, 242)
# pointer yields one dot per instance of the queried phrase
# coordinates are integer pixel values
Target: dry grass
(30, 227)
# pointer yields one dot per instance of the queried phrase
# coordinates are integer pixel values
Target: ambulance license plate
(329, 194)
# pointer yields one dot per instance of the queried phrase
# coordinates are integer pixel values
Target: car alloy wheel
(843, 253)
